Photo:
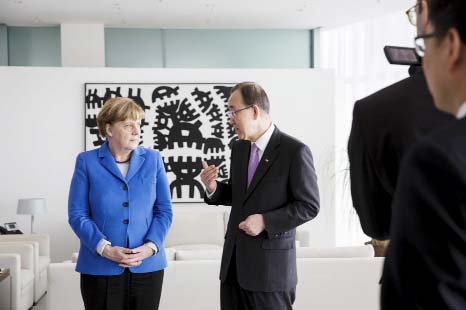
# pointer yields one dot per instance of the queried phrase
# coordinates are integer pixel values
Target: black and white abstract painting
(187, 123)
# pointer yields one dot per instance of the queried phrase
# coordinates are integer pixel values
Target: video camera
(397, 55)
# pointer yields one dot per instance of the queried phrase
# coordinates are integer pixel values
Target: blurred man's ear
(456, 49)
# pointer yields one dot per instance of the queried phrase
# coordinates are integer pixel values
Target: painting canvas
(186, 123)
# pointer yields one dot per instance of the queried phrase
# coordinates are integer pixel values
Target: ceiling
(219, 14)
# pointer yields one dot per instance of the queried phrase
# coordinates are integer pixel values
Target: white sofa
(41, 261)
(19, 258)
(194, 248)
(198, 232)
(323, 284)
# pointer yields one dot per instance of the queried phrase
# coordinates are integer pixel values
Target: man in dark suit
(385, 125)
(425, 266)
(272, 189)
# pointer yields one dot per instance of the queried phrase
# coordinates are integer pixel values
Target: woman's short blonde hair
(116, 110)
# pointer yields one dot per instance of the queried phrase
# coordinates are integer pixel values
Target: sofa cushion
(44, 262)
(74, 257)
(27, 276)
(170, 253)
(195, 247)
(194, 225)
(201, 254)
(197, 251)
(337, 252)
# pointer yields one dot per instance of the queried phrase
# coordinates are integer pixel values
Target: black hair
(446, 14)
(253, 93)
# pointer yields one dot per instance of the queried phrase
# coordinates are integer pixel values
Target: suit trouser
(127, 291)
(234, 297)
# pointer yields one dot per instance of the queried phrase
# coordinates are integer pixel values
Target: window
(355, 53)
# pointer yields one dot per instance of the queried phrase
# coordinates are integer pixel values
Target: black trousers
(127, 291)
(234, 297)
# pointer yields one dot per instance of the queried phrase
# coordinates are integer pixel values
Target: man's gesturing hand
(209, 177)
(253, 225)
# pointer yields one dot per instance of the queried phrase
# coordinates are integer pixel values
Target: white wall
(42, 129)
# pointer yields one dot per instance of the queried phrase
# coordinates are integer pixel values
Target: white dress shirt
(123, 168)
(261, 144)
(263, 140)
(462, 111)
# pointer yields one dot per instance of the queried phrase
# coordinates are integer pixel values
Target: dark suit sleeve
(304, 204)
(426, 259)
(222, 195)
(370, 199)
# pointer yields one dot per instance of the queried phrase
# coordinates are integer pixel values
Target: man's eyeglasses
(412, 13)
(232, 114)
(420, 44)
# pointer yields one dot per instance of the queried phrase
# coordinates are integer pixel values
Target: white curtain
(355, 53)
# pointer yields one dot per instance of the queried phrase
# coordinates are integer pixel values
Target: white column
(3, 45)
(82, 45)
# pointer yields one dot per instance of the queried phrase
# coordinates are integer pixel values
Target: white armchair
(41, 244)
(19, 259)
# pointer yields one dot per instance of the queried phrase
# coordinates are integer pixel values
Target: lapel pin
(266, 160)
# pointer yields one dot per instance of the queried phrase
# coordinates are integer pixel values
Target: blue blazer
(128, 212)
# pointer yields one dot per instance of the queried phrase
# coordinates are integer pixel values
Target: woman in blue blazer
(119, 206)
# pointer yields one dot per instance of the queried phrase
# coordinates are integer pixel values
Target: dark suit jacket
(425, 266)
(385, 125)
(283, 189)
